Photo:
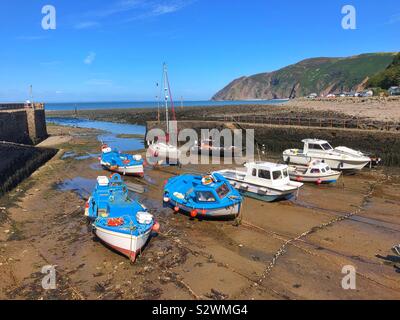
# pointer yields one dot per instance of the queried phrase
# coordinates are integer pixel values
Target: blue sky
(114, 50)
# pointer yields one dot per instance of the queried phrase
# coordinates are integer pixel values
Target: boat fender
(176, 209)
(204, 212)
(318, 182)
(156, 227)
(166, 199)
(299, 179)
(193, 213)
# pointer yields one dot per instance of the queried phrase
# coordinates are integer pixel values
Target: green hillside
(320, 75)
(389, 77)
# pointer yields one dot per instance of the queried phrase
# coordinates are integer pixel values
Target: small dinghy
(126, 164)
(263, 181)
(120, 222)
(202, 196)
(318, 172)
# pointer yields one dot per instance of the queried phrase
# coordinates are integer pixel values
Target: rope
(282, 249)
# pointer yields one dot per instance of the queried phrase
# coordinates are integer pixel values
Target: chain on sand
(282, 249)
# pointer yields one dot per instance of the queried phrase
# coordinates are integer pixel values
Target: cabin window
(254, 173)
(222, 191)
(205, 196)
(264, 174)
(323, 170)
(315, 147)
(315, 171)
(277, 175)
(327, 146)
(285, 173)
(327, 168)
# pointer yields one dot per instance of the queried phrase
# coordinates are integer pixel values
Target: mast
(165, 83)
(31, 95)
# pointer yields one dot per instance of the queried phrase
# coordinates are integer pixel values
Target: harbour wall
(21, 123)
(277, 138)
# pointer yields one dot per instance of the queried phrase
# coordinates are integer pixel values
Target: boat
(340, 158)
(318, 172)
(117, 220)
(160, 150)
(209, 147)
(126, 164)
(208, 196)
(264, 181)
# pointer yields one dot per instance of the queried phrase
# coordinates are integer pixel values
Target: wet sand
(263, 258)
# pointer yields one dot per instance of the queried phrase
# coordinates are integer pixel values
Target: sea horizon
(66, 106)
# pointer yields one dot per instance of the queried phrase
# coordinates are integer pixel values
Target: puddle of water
(82, 186)
(88, 156)
(112, 130)
(68, 154)
(95, 166)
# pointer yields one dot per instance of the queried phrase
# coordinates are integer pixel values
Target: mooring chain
(282, 249)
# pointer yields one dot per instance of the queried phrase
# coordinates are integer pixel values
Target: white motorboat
(263, 181)
(318, 172)
(341, 158)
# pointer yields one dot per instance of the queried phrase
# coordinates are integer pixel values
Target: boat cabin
(315, 167)
(267, 172)
(316, 145)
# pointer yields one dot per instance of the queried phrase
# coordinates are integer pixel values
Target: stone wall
(22, 124)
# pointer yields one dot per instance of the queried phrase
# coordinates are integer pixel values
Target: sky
(113, 50)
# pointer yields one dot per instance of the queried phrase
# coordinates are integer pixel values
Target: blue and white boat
(202, 196)
(126, 164)
(119, 221)
(263, 181)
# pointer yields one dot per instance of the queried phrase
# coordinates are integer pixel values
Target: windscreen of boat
(264, 174)
(327, 147)
(222, 191)
(285, 173)
(277, 175)
(205, 196)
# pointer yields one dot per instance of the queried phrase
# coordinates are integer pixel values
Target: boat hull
(136, 170)
(263, 193)
(332, 178)
(337, 164)
(126, 244)
(223, 212)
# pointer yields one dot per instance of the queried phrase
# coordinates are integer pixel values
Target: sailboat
(160, 149)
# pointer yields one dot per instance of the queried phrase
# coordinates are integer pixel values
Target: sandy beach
(286, 250)
(374, 108)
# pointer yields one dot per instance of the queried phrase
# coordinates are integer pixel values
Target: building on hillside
(394, 91)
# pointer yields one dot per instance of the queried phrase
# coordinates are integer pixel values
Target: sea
(54, 106)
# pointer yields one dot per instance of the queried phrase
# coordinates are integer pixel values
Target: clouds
(129, 10)
(394, 19)
(90, 58)
(86, 25)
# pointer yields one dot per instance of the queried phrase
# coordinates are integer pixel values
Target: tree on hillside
(389, 77)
